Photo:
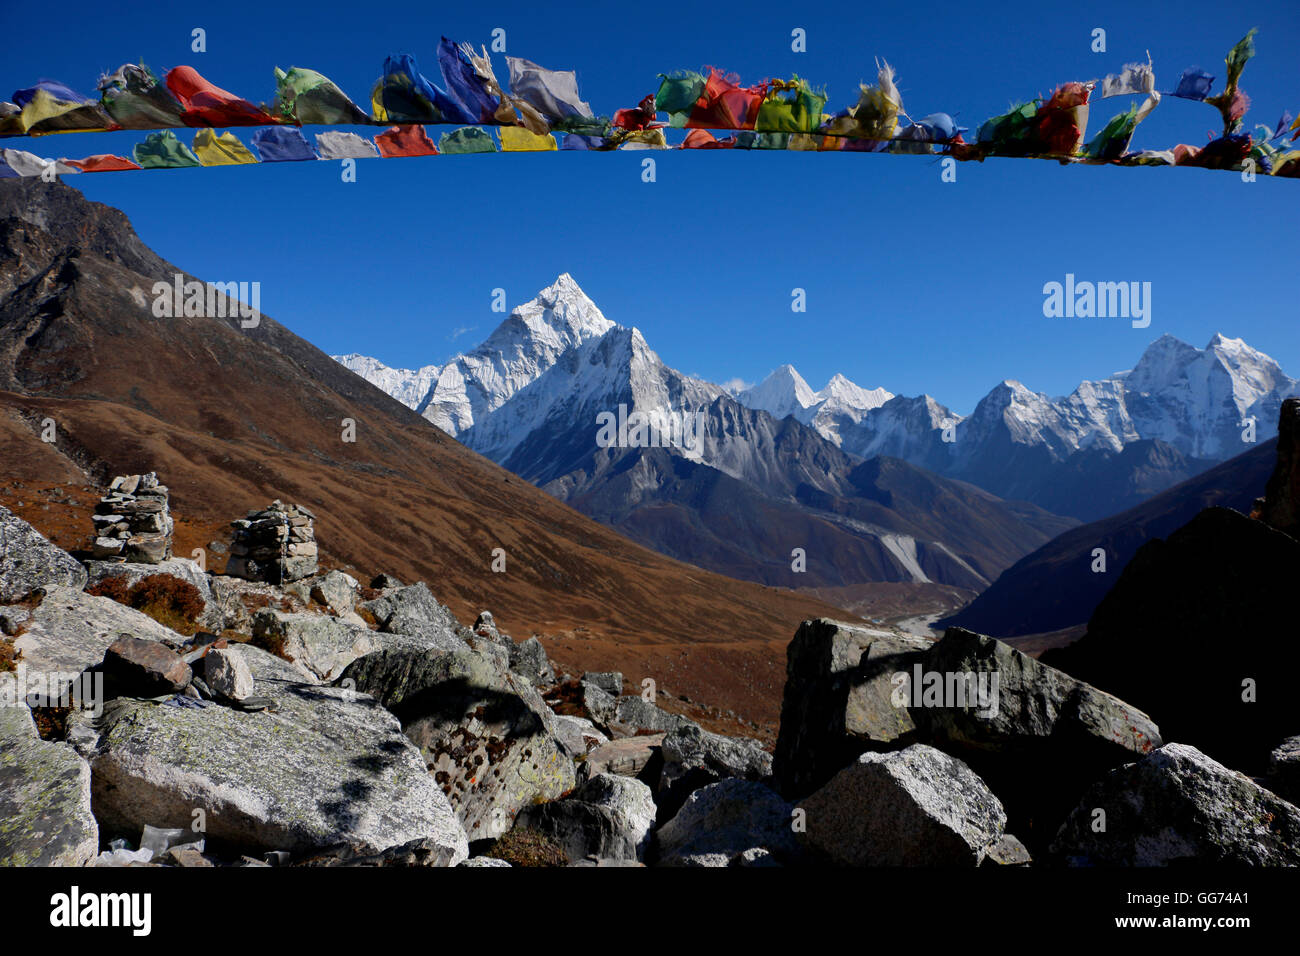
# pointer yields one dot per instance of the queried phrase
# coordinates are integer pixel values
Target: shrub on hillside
(171, 601)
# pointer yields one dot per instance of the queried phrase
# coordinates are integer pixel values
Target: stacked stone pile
(133, 521)
(276, 545)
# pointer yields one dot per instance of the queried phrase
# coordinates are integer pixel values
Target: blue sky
(912, 283)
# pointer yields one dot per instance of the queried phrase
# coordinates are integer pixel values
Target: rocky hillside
(159, 715)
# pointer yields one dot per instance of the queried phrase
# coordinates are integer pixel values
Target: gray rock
(611, 682)
(490, 861)
(486, 735)
(324, 766)
(578, 733)
(1176, 807)
(719, 823)
(424, 852)
(382, 582)
(11, 618)
(601, 707)
(71, 631)
(322, 644)
(336, 590)
(638, 714)
(913, 807)
(139, 668)
(528, 660)
(227, 673)
(1008, 851)
(411, 610)
(45, 815)
(29, 561)
(609, 817)
(839, 700)
(640, 757)
(694, 758)
(1047, 739)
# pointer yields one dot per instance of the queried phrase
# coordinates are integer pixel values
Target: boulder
(694, 758)
(578, 733)
(640, 757)
(1282, 494)
(227, 674)
(29, 561)
(601, 707)
(1199, 631)
(609, 817)
(838, 700)
(322, 644)
(138, 668)
(45, 815)
(611, 682)
(382, 582)
(912, 807)
(1178, 806)
(719, 824)
(486, 735)
(636, 714)
(489, 861)
(1045, 737)
(322, 766)
(71, 631)
(411, 610)
(528, 660)
(336, 590)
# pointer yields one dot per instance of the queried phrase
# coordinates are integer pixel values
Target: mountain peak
(564, 307)
(784, 392)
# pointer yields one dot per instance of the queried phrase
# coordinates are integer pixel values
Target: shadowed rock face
(1044, 737)
(486, 736)
(1178, 806)
(1282, 497)
(1199, 631)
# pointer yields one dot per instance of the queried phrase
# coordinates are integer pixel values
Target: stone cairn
(275, 545)
(133, 521)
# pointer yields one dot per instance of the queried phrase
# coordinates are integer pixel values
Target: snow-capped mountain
(477, 383)
(838, 406)
(1104, 447)
(408, 386)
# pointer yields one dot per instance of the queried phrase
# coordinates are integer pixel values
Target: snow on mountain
(408, 386)
(521, 348)
(782, 393)
(1199, 399)
(1194, 400)
(595, 377)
